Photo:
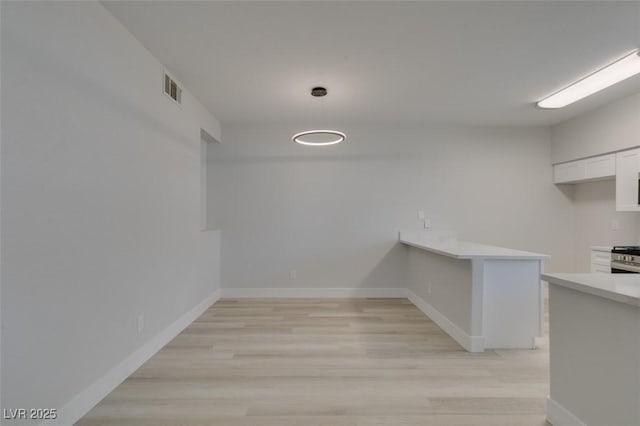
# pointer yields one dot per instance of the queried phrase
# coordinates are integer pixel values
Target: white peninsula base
(482, 296)
(594, 349)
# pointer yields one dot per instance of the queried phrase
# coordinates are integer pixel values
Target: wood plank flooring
(326, 362)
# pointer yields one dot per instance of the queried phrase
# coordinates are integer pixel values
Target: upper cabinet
(627, 174)
(595, 168)
(624, 166)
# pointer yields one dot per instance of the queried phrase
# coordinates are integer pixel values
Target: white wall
(333, 213)
(595, 218)
(100, 196)
(613, 127)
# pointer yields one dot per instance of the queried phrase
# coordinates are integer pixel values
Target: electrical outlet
(140, 323)
(293, 274)
(615, 225)
(427, 224)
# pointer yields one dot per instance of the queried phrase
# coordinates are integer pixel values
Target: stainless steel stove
(625, 260)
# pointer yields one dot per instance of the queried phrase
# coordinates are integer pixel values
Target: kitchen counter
(623, 288)
(601, 248)
(483, 296)
(466, 249)
(594, 349)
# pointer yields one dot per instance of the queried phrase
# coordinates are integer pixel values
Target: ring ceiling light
(319, 137)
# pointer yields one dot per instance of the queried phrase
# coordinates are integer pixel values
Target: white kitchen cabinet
(627, 171)
(600, 260)
(572, 171)
(600, 167)
(594, 168)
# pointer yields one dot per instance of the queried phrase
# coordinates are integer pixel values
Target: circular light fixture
(319, 137)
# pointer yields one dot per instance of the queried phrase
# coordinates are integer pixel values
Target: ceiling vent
(172, 89)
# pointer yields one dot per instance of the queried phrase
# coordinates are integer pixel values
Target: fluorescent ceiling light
(607, 76)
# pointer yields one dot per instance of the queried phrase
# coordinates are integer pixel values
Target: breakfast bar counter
(467, 249)
(483, 296)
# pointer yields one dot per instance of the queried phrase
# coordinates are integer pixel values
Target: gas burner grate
(635, 250)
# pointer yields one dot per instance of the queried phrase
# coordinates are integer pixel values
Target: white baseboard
(470, 343)
(80, 405)
(557, 415)
(262, 293)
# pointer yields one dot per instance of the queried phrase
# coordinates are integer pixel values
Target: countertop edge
(434, 250)
(594, 291)
(443, 252)
(601, 248)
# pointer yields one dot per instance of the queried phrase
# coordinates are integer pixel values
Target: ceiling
(479, 63)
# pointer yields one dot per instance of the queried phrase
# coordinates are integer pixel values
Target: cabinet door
(600, 269)
(600, 167)
(627, 170)
(600, 262)
(569, 172)
(601, 257)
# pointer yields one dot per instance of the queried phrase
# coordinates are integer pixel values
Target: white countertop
(624, 288)
(466, 249)
(601, 248)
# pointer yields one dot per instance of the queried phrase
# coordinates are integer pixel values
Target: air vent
(172, 89)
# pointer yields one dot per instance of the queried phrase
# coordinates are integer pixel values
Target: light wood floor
(329, 362)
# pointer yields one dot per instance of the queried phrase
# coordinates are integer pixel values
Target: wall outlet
(427, 224)
(293, 274)
(615, 225)
(140, 323)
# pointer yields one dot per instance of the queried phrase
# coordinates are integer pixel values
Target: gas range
(625, 260)
(634, 250)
